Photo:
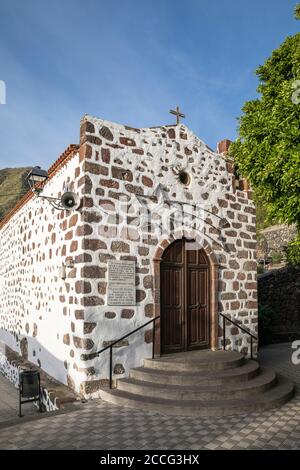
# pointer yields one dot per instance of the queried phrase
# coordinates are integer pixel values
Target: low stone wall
(273, 239)
(54, 394)
(279, 298)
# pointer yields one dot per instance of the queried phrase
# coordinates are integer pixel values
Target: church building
(164, 234)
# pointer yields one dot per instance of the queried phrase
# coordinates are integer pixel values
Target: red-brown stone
(121, 173)
(105, 155)
(83, 287)
(88, 327)
(109, 183)
(149, 310)
(79, 314)
(92, 301)
(93, 139)
(69, 235)
(148, 336)
(127, 313)
(93, 244)
(147, 181)
(127, 141)
(95, 168)
(120, 247)
(83, 230)
(93, 272)
(73, 220)
(110, 315)
(140, 295)
(83, 343)
(83, 258)
(138, 151)
(106, 133)
(74, 246)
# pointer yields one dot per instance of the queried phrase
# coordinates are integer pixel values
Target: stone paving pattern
(9, 402)
(102, 426)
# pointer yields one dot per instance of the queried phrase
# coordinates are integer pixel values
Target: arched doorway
(185, 298)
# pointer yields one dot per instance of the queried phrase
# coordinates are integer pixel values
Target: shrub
(260, 269)
(276, 257)
(292, 251)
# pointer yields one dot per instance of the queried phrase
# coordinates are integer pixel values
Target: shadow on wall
(279, 305)
(47, 362)
(54, 393)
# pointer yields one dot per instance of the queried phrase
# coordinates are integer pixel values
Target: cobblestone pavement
(9, 402)
(102, 426)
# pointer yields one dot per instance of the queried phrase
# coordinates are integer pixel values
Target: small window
(184, 178)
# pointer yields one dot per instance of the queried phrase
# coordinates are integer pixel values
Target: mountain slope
(12, 187)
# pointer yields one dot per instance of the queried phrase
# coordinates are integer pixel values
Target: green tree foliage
(293, 251)
(267, 151)
(268, 148)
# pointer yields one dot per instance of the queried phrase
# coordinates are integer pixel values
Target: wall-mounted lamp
(68, 201)
(36, 176)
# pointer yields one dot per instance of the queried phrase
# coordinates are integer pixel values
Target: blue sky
(129, 61)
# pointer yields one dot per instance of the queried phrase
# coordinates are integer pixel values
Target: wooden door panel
(171, 293)
(172, 332)
(184, 299)
(192, 288)
(196, 258)
(192, 257)
(172, 310)
(174, 253)
(198, 328)
(197, 308)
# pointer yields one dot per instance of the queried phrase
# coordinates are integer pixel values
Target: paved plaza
(9, 402)
(102, 426)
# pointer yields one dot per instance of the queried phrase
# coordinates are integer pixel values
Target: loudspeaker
(70, 201)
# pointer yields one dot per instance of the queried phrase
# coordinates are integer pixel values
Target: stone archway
(213, 274)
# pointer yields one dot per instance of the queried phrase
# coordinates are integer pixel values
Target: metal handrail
(86, 357)
(243, 328)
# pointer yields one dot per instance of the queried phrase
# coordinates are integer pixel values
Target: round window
(184, 178)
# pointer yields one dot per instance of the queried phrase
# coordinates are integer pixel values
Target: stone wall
(41, 313)
(279, 294)
(274, 239)
(122, 175)
(121, 166)
(11, 368)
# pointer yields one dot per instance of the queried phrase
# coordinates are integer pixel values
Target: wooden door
(197, 300)
(184, 298)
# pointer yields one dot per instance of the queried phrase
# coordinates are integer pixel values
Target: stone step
(274, 397)
(193, 361)
(262, 382)
(246, 371)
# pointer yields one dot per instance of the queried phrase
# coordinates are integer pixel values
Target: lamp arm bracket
(54, 201)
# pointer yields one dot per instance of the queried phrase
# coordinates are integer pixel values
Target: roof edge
(70, 151)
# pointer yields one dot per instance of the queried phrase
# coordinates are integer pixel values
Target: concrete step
(246, 371)
(193, 361)
(274, 397)
(262, 382)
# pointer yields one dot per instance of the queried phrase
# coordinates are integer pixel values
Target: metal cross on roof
(177, 113)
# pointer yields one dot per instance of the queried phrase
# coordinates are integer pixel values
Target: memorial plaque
(121, 283)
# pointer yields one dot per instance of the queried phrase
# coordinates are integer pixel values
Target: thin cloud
(127, 61)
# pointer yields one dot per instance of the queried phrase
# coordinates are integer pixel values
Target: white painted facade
(113, 168)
